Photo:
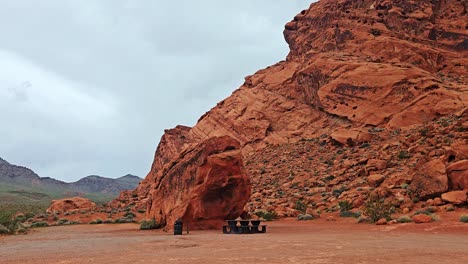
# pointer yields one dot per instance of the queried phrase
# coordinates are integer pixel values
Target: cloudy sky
(88, 87)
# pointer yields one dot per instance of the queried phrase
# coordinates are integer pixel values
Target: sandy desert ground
(287, 241)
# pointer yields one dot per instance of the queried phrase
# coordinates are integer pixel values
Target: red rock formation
(363, 81)
(458, 175)
(204, 186)
(71, 205)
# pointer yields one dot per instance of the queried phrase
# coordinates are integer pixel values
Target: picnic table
(244, 227)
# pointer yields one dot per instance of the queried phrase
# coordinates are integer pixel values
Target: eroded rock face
(71, 205)
(204, 186)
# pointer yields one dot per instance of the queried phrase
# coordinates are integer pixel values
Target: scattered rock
(438, 201)
(376, 164)
(375, 179)
(381, 221)
(351, 137)
(421, 218)
(305, 217)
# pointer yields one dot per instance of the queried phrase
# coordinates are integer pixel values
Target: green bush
(147, 225)
(124, 220)
(129, 214)
(96, 222)
(4, 230)
(350, 214)
(464, 219)
(404, 219)
(62, 221)
(450, 209)
(345, 206)
(301, 206)
(404, 155)
(426, 212)
(267, 215)
(39, 224)
(376, 208)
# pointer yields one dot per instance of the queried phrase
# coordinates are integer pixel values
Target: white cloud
(88, 87)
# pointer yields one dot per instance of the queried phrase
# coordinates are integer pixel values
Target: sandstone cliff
(343, 113)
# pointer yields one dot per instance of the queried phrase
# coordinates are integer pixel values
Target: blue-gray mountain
(20, 184)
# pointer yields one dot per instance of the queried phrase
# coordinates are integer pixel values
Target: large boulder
(455, 197)
(430, 180)
(458, 175)
(204, 186)
(71, 205)
(350, 137)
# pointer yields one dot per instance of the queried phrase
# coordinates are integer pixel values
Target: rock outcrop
(71, 205)
(368, 86)
(430, 180)
(204, 186)
(458, 175)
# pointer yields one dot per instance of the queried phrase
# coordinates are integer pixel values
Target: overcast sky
(88, 87)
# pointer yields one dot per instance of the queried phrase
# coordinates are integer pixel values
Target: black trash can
(178, 227)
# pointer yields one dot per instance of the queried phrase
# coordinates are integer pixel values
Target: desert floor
(287, 241)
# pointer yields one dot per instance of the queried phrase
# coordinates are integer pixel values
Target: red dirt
(287, 241)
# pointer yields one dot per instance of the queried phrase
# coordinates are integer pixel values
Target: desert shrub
(151, 224)
(4, 230)
(6, 218)
(450, 209)
(129, 214)
(124, 220)
(62, 221)
(141, 211)
(345, 206)
(10, 224)
(301, 206)
(339, 191)
(350, 214)
(363, 219)
(426, 212)
(376, 208)
(404, 219)
(267, 215)
(39, 224)
(423, 131)
(404, 155)
(464, 218)
(96, 222)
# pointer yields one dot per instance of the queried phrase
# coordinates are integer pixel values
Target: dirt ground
(287, 241)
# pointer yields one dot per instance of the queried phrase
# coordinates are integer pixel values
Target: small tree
(376, 209)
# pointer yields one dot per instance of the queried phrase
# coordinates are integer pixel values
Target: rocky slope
(21, 180)
(361, 79)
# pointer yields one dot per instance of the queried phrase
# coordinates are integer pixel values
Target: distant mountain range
(20, 184)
